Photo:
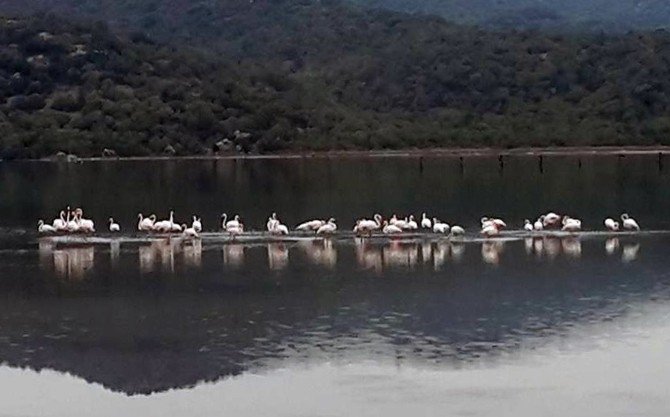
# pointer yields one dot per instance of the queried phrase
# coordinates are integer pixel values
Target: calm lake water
(340, 327)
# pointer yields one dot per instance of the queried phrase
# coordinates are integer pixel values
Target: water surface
(550, 326)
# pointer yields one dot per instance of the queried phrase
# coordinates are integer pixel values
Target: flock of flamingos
(73, 221)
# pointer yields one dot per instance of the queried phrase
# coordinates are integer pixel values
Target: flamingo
(611, 225)
(189, 232)
(411, 224)
(403, 224)
(45, 228)
(629, 223)
(72, 224)
(197, 224)
(146, 224)
(551, 219)
(439, 227)
(498, 223)
(311, 225)
(456, 231)
(165, 226)
(390, 229)
(489, 229)
(272, 221)
(279, 229)
(328, 228)
(113, 227)
(571, 225)
(59, 224)
(539, 224)
(85, 225)
(366, 225)
(527, 226)
(425, 222)
(225, 223)
(234, 231)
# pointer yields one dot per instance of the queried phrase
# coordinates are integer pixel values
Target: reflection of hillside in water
(137, 333)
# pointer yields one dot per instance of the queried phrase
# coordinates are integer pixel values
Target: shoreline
(408, 153)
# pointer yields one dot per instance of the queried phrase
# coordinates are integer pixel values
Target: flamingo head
(111, 220)
(625, 216)
(152, 218)
(40, 223)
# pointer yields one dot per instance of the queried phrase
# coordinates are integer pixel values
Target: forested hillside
(316, 75)
(613, 16)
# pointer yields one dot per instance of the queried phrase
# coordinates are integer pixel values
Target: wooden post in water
(579, 163)
(541, 163)
(460, 164)
(501, 164)
(660, 161)
(421, 164)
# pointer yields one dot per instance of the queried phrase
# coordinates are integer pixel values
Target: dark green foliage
(289, 75)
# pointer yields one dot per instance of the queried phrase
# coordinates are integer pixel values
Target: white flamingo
(611, 225)
(145, 224)
(571, 225)
(439, 227)
(85, 225)
(59, 224)
(164, 226)
(72, 224)
(456, 231)
(279, 229)
(272, 222)
(113, 227)
(527, 226)
(425, 222)
(411, 223)
(489, 229)
(391, 229)
(232, 224)
(539, 224)
(551, 219)
(629, 223)
(401, 223)
(311, 225)
(367, 225)
(197, 224)
(189, 232)
(45, 228)
(329, 228)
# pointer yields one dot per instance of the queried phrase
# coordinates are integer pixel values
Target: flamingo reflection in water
(320, 252)
(612, 244)
(426, 251)
(114, 252)
(368, 256)
(192, 252)
(277, 256)
(572, 247)
(440, 254)
(491, 251)
(397, 254)
(163, 250)
(74, 262)
(233, 255)
(457, 251)
(630, 252)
